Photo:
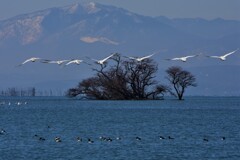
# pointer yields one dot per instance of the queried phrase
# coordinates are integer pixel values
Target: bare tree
(180, 80)
(140, 77)
(123, 80)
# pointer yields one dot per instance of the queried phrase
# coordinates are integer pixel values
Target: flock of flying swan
(103, 61)
(67, 62)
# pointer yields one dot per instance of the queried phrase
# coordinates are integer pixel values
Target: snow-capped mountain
(96, 30)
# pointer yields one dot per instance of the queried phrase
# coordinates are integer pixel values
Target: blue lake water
(189, 122)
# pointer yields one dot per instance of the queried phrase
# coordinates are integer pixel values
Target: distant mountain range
(96, 30)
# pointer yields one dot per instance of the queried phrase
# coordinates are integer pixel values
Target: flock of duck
(103, 61)
(58, 139)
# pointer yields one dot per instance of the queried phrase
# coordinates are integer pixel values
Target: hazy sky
(208, 9)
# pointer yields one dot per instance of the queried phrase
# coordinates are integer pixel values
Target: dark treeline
(13, 91)
(129, 79)
(29, 92)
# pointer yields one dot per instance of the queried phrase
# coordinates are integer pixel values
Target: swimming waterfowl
(138, 138)
(58, 139)
(102, 138)
(205, 139)
(79, 139)
(42, 139)
(118, 138)
(90, 141)
(2, 131)
(109, 139)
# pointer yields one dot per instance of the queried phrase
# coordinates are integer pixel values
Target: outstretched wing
(73, 61)
(103, 60)
(145, 57)
(176, 59)
(191, 56)
(133, 58)
(76, 61)
(228, 54)
(63, 61)
(26, 61)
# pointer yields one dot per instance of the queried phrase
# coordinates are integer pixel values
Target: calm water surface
(189, 122)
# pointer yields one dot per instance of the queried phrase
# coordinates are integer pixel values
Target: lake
(196, 128)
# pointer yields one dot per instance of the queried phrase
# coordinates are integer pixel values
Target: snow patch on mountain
(92, 8)
(98, 39)
(73, 8)
(28, 29)
(87, 7)
(32, 30)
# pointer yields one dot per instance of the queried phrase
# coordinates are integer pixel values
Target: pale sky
(207, 9)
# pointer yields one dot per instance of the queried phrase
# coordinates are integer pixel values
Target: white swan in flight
(183, 59)
(33, 59)
(223, 57)
(74, 61)
(102, 61)
(59, 62)
(139, 59)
